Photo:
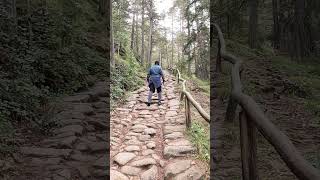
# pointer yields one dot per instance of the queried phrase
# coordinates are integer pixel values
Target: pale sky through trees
(163, 6)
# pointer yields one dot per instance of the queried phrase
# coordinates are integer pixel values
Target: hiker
(154, 79)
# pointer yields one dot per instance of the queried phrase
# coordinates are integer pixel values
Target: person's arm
(148, 75)
(161, 73)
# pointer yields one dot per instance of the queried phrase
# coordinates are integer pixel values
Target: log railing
(251, 118)
(188, 99)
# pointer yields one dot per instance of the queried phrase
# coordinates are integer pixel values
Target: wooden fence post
(252, 135)
(187, 112)
(231, 110)
(248, 147)
(218, 61)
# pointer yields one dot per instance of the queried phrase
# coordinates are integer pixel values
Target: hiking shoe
(148, 104)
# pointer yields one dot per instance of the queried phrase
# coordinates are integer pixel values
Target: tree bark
(142, 33)
(276, 27)
(253, 23)
(150, 34)
(171, 63)
(132, 31)
(29, 21)
(299, 31)
(112, 61)
(189, 35)
(137, 37)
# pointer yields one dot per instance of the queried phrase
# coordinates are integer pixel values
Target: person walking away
(154, 79)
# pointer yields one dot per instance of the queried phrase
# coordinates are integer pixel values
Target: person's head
(156, 63)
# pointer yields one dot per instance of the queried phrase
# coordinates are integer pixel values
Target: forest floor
(272, 89)
(151, 142)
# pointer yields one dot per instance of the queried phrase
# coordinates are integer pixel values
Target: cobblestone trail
(149, 143)
(77, 149)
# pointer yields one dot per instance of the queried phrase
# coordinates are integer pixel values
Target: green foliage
(306, 76)
(204, 85)
(314, 159)
(125, 77)
(56, 58)
(201, 139)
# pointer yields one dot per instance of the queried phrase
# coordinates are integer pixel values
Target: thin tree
(150, 33)
(172, 42)
(253, 22)
(142, 32)
(276, 25)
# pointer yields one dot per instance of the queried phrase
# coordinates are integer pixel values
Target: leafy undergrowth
(127, 76)
(56, 56)
(314, 159)
(200, 137)
(204, 85)
(307, 76)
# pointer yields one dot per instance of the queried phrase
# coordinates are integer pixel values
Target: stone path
(149, 143)
(77, 149)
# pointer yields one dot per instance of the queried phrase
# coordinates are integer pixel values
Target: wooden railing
(188, 99)
(252, 117)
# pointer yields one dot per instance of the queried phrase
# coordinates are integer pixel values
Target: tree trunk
(299, 31)
(29, 21)
(137, 37)
(171, 63)
(253, 23)
(188, 48)
(142, 33)
(167, 54)
(112, 61)
(276, 27)
(150, 34)
(102, 7)
(132, 32)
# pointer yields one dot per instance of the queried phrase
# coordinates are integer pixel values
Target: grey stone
(77, 129)
(143, 162)
(124, 157)
(150, 131)
(65, 173)
(176, 167)
(98, 146)
(116, 175)
(151, 145)
(176, 128)
(45, 152)
(147, 152)
(132, 148)
(193, 173)
(174, 135)
(46, 161)
(150, 174)
(84, 108)
(176, 151)
(129, 170)
(98, 124)
(101, 163)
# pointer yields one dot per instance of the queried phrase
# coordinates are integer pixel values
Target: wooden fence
(252, 118)
(189, 100)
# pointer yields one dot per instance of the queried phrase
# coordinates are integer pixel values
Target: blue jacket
(155, 73)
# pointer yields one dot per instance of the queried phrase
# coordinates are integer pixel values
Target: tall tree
(150, 32)
(253, 22)
(172, 43)
(142, 31)
(276, 25)
(132, 30)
